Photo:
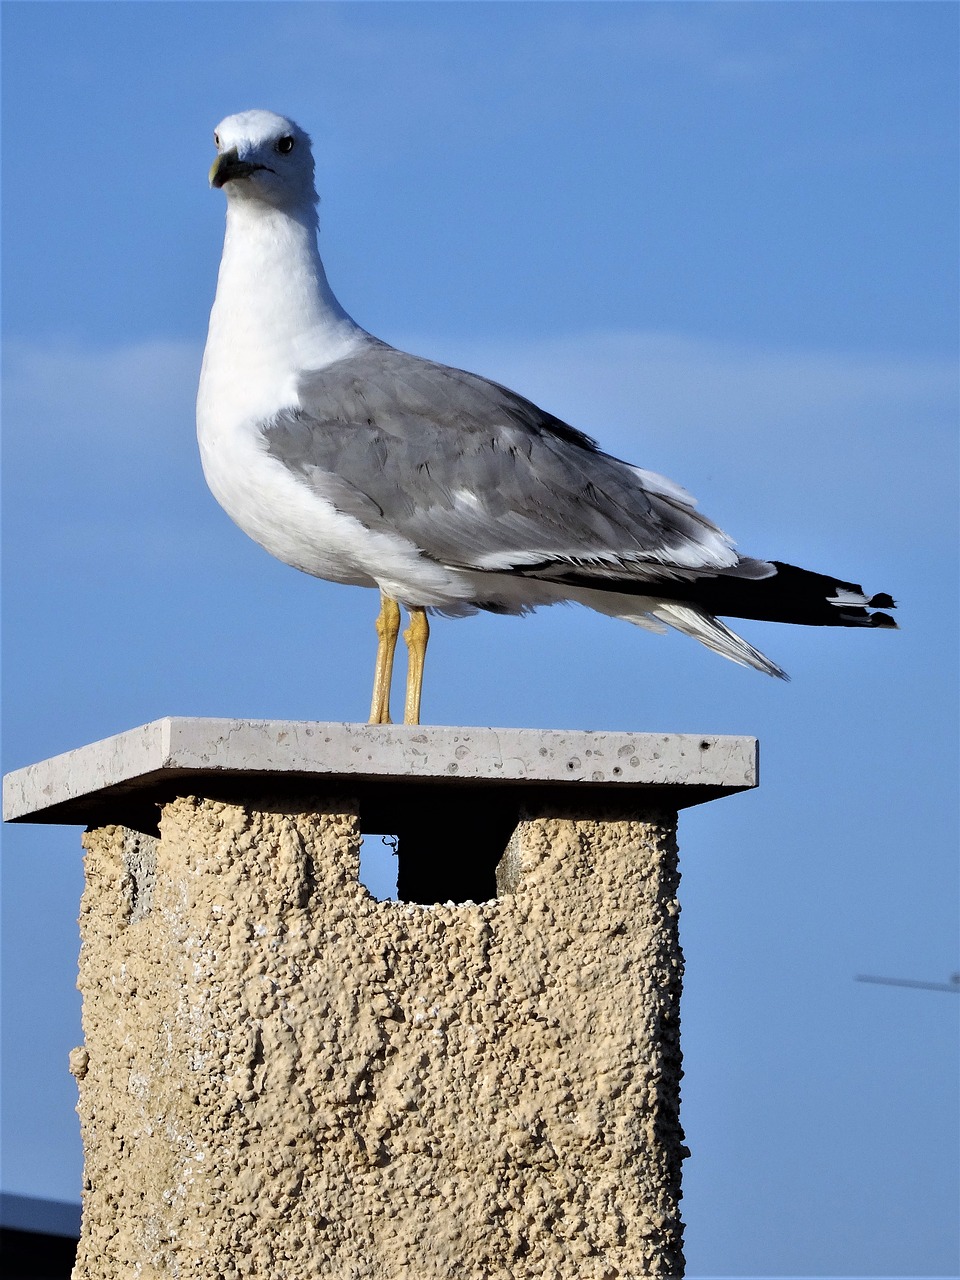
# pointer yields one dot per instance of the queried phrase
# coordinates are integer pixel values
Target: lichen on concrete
(286, 1078)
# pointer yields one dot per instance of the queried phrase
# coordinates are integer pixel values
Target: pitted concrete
(286, 1078)
(283, 1077)
(175, 755)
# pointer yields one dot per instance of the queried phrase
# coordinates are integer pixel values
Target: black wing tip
(857, 617)
(884, 620)
(883, 600)
(861, 616)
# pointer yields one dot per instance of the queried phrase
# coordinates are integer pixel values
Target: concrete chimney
(285, 1077)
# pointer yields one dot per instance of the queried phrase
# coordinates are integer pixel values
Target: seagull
(358, 463)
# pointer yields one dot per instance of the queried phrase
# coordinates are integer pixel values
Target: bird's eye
(216, 139)
(285, 145)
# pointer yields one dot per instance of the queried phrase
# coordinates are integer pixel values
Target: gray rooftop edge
(79, 785)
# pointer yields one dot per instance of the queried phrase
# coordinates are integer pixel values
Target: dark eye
(285, 145)
(216, 140)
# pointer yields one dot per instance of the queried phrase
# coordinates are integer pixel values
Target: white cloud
(814, 446)
(817, 444)
(673, 382)
(99, 449)
(71, 391)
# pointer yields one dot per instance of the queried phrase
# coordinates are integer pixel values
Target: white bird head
(263, 157)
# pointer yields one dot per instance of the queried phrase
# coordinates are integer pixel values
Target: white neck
(274, 313)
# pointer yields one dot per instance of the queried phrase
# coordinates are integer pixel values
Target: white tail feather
(855, 598)
(711, 632)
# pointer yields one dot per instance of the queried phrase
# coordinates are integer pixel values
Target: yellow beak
(228, 166)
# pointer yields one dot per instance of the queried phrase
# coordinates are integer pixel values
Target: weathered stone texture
(286, 1078)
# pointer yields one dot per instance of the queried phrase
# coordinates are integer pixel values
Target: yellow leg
(388, 628)
(416, 636)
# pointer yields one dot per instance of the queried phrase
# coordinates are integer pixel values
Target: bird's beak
(228, 166)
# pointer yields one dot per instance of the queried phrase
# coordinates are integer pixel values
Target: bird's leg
(388, 628)
(416, 636)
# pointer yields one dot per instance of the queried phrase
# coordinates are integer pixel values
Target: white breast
(279, 511)
(273, 319)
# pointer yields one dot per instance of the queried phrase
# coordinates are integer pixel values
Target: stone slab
(178, 755)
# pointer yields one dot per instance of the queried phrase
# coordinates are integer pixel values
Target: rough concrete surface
(177, 755)
(285, 1078)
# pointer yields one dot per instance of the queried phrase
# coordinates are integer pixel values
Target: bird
(362, 464)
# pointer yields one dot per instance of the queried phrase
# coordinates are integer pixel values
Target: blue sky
(719, 237)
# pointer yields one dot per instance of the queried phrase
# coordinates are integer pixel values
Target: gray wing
(479, 478)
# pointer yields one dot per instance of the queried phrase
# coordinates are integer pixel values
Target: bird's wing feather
(479, 478)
